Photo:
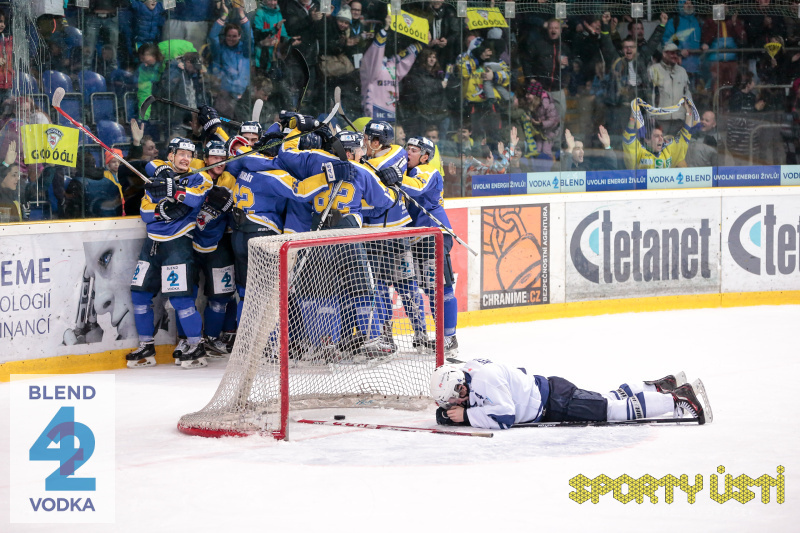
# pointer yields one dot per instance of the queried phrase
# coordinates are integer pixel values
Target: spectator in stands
(422, 94)
(231, 60)
(781, 69)
(684, 31)
(444, 27)
(148, 19)
(545, 60)
(706, 144)
(460, 143)
(744, 105)
(480, 97)
(671, 83)
(536, 116)
(305, 24)
(6, 57)
(727, 34)
(628, 76)
(487, 164)
(586, 47)
(762, 25)
(9, 197)
(381, 76)
(112, 206)
(574, 156)
(268, 31)
(399, 135)
(182, 82)
(151, 66)
(102, 14)
(143, 150)
(358, 27)
(190, 21)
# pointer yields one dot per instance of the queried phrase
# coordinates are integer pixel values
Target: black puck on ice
(338, 417)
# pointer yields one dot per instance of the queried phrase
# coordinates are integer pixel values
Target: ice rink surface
(340, 479)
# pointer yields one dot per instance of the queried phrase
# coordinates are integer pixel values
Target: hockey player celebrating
(251, 131)
(485, 394)
(169, 208)
(425, 184)
(213, 251)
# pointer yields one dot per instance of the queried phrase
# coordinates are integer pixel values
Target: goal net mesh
(339, 318)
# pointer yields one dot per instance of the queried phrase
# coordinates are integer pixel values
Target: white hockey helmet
(445, 383)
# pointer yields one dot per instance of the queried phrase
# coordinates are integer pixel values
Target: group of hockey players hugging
(201, 213)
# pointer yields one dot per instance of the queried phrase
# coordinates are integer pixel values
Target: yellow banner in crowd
(411, 25)
(485, 17)
(48, 143)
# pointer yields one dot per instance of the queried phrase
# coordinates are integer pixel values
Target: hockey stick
(256, 115)
(150, 99)
(585, 423)
(306, 75)
(397, 428)
(58, 95)
(337, 97)
(271, 144)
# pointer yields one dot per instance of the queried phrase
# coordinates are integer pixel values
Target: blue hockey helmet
(215, 147)
(180, 143)
(251, 126)
(351, 140)
(381, 130)
(424, 144)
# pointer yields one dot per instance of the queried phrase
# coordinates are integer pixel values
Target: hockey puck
(338, 417)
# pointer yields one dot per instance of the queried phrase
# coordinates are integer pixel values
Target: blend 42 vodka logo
(761, 244)
(62, 449)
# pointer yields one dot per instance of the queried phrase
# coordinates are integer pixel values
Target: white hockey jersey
(501, 395)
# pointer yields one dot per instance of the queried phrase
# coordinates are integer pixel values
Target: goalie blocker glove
(209, 118)
(336, 171)
(170, 209)
(219, 200)
(390, 176)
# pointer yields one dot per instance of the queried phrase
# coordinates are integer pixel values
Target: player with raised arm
(656, 152)
(485, 394)
(169, 208)
(425, 184)
(213, 251)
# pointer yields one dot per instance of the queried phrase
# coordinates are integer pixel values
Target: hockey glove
(169, 209)
(304, 122)
(336, 171)
(219, 200)
(442, 419)
(164, 185)
(284, 117)
(390, 176)
(266, 139)
(209, 118)
(310, 141)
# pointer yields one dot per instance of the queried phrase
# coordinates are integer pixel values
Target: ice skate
(688, 401)
(229, 338)
(215, 347)
(668, 383)
(387, 337)
(182, 346)
(378, 349)
(144, 355)
(450, 346)
(194, 356)
(423, 344)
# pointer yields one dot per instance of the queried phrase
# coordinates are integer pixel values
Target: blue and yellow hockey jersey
(425, 184)
(396, 216)
(196, 186)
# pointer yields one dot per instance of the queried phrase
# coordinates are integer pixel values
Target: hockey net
(339, 318)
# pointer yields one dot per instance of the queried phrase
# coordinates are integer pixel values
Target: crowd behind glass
(541, 95)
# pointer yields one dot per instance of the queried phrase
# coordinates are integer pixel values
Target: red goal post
(316, 329)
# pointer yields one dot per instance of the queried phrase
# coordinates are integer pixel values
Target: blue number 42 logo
(62, 431)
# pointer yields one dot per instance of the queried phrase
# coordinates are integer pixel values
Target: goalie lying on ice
(485, 394)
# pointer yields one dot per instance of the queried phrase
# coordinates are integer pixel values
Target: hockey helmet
(424, 144)
(251, 126)
(215, 147)
(445, 383)
(351, 140)
(180, 143)
(381, 130)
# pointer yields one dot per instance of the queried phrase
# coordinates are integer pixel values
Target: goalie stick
(58, 95)
(150, 99)
(435, 431)
(337, 97)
